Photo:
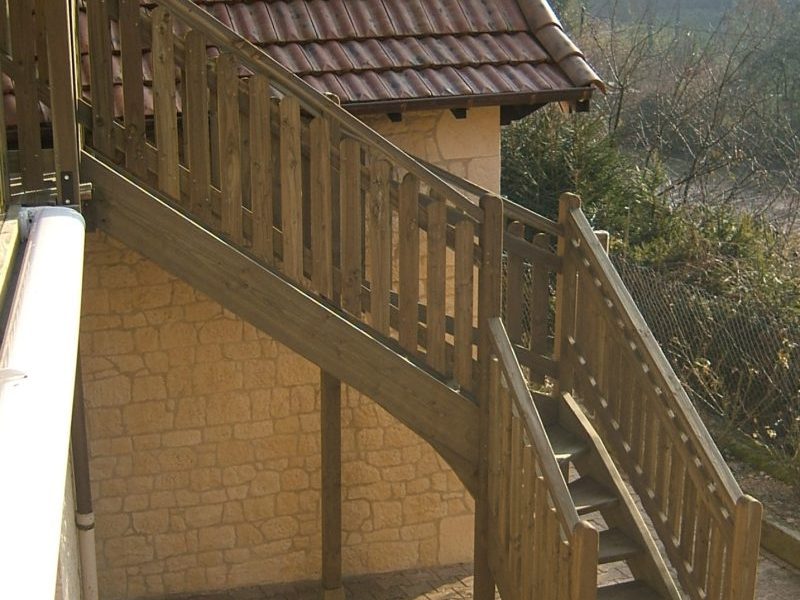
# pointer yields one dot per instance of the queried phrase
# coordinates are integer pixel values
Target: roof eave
(578, 94)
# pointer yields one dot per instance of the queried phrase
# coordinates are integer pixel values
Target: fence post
(743, 558)
(489, 298)
(60, 29)
(566, 290)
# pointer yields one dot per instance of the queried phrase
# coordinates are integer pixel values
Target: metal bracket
(67, 188)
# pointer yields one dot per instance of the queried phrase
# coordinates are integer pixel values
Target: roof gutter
(582, 94)
(37, 380)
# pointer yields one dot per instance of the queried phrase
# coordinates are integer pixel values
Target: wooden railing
(539, 546)
(257, 156)
(609, 357)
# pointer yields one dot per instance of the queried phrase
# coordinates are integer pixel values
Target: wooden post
(63, 101)
(566, 289)
(583, 562)
(489, 297)
(743, 557)
(331, 427)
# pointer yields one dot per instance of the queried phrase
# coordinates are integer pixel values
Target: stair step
(615, 545)
(589, 496)
(629, 590)
(566, 446)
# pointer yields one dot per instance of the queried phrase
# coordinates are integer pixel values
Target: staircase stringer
(139, 218)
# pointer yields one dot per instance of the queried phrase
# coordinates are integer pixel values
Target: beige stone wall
(468, 147)
(204, 441)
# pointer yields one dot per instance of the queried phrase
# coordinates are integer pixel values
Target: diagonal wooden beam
(139, 219)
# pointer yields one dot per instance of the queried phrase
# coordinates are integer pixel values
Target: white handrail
(37, 379)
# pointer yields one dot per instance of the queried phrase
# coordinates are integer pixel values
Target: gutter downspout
(37, 382)
(84, 512)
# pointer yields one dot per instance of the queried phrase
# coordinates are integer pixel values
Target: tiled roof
(394, 55)
(378, 53)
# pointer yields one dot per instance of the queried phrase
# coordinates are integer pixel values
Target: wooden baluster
(230, 146)
(133, 87)
(540, 534)
(437, 284)
(652, 446)
(29, 139)
(408, 247)
(505, 475)
(701, 546)
(195, 117)
(464, 311)
(552, 541)
(640, 412)
(494, 451)
(677, 480)
(515, 462)
(322, 206)
(539, 306)
(514, 288)
(261, 174)
(379, 223)
(528, 509)
(164, 103)
(663, 471)
(291, 188)
(688, 518)
(351, 220)
(716, 564)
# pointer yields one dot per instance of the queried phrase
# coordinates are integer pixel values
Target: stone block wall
(468, 147)
(204, 441)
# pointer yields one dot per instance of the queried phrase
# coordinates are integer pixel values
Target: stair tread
(616, 545)
(588, 495)
(629, 590)
(565, 445)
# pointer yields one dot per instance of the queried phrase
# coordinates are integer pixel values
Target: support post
(331, 428)
(489, 299)
(743, 557)
(63, 99)
(566, 290)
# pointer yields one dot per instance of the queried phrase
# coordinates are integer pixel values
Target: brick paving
(777, 581)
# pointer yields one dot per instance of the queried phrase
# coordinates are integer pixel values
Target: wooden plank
(62, 86)
(195, 115)
(331, 492)
(514, 287)
(565, 293)
(539, 306)
(130, 25)
(321, 206)
(164, 104)
(408, 248)
(464, 311)
(25, 88)
(291, 188)
(351, 220)
(261, 174)
(379, 224)
(436, 285)
(136, 218)
(230, 146)
(101, 76)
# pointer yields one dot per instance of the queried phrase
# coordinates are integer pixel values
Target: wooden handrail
(567, 513)
(658, 365)
(511, 209)
(314, 102)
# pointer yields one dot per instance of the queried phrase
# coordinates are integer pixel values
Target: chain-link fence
(735, 359)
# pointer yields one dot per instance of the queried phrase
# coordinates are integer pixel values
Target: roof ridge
(547, 29)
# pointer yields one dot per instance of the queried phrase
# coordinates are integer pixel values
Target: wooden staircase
(547, 395)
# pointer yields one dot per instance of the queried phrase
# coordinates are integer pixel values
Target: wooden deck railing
(254, 154)
(540, 548)
(609, 357)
